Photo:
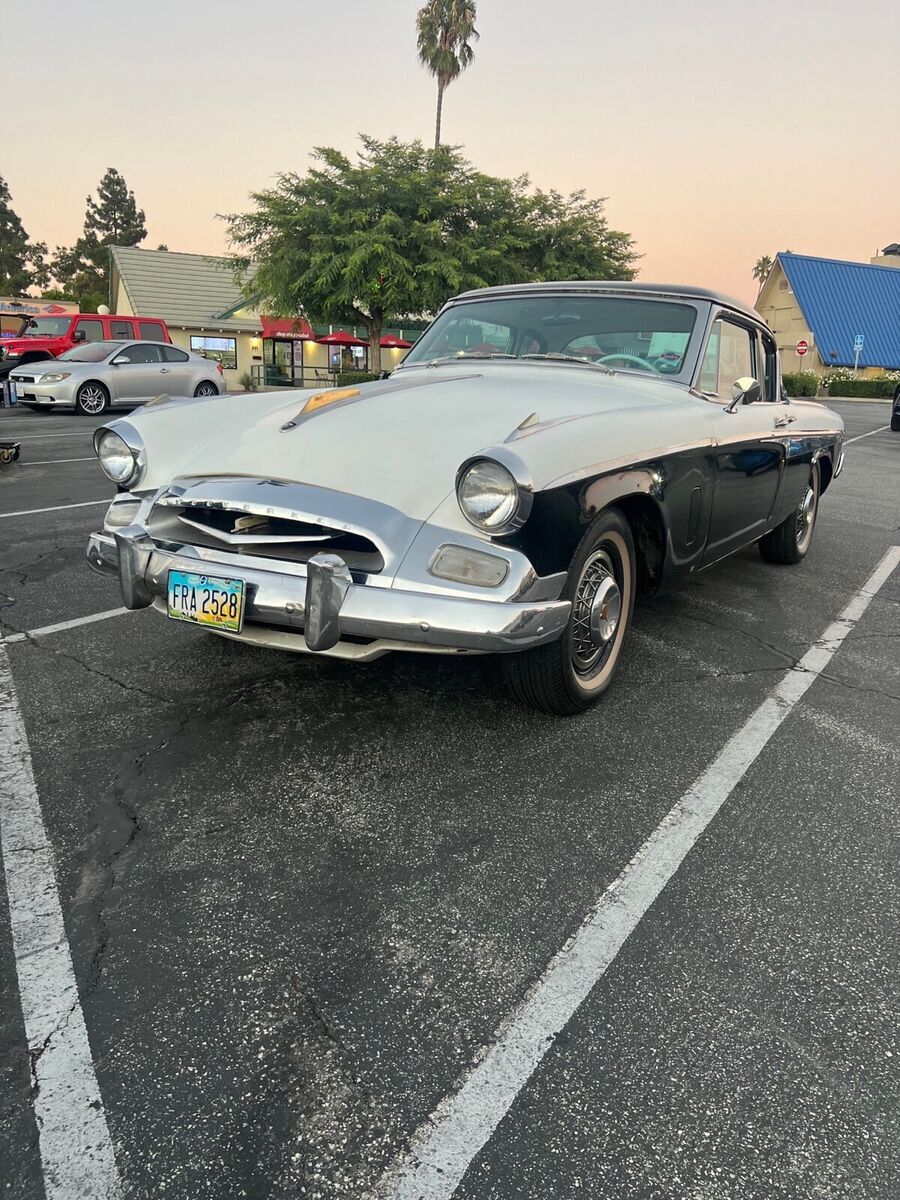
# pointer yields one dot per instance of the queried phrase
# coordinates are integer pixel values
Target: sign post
(857, 351)
(802, 347)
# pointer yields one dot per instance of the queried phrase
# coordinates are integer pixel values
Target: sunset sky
(718, 132)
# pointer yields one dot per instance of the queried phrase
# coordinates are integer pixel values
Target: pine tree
(21, 261)
(113, 219)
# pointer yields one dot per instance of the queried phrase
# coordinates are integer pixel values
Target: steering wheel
(641, 362)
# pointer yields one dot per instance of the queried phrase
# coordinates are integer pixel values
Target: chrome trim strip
(627, 460)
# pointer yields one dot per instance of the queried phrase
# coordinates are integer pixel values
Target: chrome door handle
(165, 371)
(780, 422)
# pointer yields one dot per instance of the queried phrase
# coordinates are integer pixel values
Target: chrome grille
(233, 530)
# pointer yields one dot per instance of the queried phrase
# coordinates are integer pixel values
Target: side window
(769, 381)
(138, 354)
(121, 331)
(173, 354)
(89, 331)
(730, 355)
(153, 331)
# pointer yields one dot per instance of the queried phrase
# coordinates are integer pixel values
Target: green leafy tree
(22, 263)
(113, 219)
(394, 234)
(762, 269)
(445, 31)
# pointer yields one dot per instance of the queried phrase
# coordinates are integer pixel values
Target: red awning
(389, 342)
(287, 327)
(341, 338)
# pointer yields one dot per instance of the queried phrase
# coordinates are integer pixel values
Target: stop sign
(802, 347)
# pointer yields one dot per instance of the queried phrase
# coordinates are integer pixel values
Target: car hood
(402, 440)
(22, 345)
(46, 366)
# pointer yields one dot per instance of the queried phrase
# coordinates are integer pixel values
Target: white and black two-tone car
(545, 453)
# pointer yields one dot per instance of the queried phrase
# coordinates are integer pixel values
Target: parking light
(462, 565)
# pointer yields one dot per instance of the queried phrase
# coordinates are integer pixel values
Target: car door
(137, 373)
(749, 457)
(180, 371)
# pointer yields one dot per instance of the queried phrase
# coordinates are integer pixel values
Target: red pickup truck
(47, 337)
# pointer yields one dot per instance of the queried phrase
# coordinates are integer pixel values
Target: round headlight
(488, 495)
(116, 458)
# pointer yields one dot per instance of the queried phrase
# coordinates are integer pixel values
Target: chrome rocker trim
(313, 612)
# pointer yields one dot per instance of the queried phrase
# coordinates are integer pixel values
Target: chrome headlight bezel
(134, 446)
(520, 491)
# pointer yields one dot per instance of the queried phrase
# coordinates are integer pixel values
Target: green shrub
(247, 381)
(352, 378)
(869, 389)
(801, 383)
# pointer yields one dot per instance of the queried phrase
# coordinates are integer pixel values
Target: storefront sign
(10, 306)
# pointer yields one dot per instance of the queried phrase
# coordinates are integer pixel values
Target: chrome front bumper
(316, 611)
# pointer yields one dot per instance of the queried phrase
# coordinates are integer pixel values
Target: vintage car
(544, 454)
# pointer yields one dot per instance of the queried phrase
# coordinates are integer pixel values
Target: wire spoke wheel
(596, 611)
(570, 674)
(806, 517)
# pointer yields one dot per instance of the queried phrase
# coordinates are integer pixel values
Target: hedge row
(870, 389)
(352, 378)
(801, 383)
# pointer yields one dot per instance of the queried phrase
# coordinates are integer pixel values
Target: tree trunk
(437, 122)
(374, 328)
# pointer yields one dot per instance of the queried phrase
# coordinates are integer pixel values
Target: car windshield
(45, 327)
(621, 332)
(90, 352)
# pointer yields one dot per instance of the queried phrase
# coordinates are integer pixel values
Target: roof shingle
(183, 289)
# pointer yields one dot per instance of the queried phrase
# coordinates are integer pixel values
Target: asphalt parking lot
(303, 898)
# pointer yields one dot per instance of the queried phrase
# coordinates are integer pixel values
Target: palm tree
(445, 30)
(762, 269)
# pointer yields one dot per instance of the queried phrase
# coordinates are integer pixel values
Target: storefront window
(220, 349)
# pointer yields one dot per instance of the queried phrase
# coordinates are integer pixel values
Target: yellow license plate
(206, 600)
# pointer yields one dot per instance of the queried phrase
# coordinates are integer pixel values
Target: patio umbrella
(341, 338)
(390, 342)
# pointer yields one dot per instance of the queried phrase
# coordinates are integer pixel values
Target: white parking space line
(446, 1144)
(76, 1151)
(43, 630)
(859, 437)
(52, 462)
(30, 512)
(37, 437)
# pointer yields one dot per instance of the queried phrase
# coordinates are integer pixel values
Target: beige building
(206, 312)
(834, 306)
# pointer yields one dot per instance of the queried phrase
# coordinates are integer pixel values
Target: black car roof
(658, 290)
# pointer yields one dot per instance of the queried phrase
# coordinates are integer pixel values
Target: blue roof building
(829, 303)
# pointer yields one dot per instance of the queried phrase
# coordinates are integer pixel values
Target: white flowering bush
(837, 375)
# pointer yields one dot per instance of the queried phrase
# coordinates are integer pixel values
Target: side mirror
(79, 335)
(744, 391)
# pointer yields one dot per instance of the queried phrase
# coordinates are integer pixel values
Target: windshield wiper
(585, 362)
(433, 362)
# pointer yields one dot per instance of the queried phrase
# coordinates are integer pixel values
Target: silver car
(96, 376)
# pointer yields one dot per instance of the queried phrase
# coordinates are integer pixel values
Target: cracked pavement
(301, 895)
